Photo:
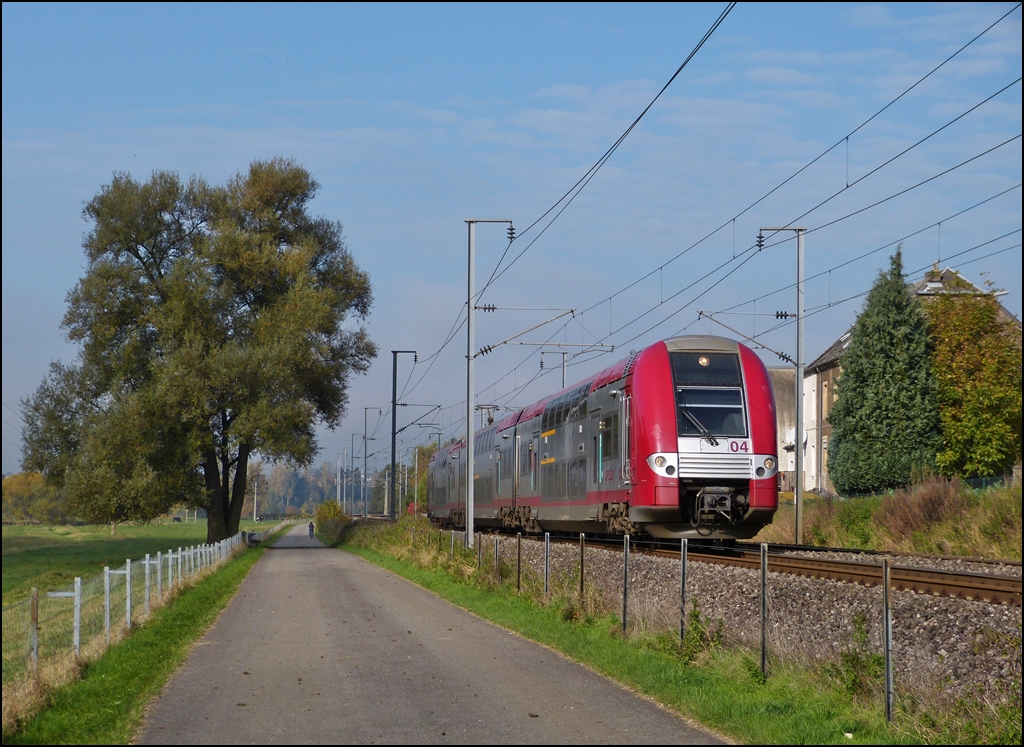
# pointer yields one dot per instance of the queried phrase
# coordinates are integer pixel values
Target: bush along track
(106, 705)
(703, 677)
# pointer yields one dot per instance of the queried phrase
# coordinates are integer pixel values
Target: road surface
(319, 646)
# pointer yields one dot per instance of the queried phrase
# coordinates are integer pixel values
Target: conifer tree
(885, 423)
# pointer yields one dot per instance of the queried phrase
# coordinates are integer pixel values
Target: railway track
(982, 587)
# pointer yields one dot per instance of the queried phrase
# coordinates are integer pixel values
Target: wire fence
(905, 650)
(49, 633)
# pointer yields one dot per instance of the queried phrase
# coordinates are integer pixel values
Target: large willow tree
(213, 323)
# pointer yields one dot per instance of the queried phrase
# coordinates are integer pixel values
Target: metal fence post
(33, 630)
(159, 577)
(519, 561)
(181, 580)
(764, 609)
(451, 552)
(497, 559)
(625, 581)
(145, 599)
(128, 593)
(106, 602)
(682, 589)
(76, 629)
(479, 552)
(547, 563)
(583, 545)
(887, 625)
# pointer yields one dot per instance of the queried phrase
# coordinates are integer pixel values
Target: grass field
(49, 557)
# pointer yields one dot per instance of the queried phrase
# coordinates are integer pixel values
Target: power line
(806, 166)
(845, 139)
(578, 187)
(572, 193)
(877, 249)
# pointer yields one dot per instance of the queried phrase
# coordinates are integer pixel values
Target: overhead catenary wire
(816, 207)
(460, 320)
(774, 189)
(578, 187)
(810, 163)
(868, 253)
(570, 195)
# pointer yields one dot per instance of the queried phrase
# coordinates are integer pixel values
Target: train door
(625, 426)
(515, 471)
(535, 464)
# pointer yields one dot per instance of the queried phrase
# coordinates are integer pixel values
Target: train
(677, 440)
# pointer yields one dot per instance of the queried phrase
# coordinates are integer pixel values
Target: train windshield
(709, 395)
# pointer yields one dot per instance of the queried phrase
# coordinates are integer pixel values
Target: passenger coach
(677, 440)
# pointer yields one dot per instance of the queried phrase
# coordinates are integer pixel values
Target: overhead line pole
(394, 421)
(798, 440)
(471, 226)
(366, 437)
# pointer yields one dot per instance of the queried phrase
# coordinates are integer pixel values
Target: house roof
(935, 282)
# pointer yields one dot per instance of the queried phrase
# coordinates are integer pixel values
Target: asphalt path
(319, 646)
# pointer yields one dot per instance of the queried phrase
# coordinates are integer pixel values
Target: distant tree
(977, 363)
(28, 497)
(885, 423)
(212, 326)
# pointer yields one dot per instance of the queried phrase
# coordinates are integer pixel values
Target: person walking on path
(310, 529)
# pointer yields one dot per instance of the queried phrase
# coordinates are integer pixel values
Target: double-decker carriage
(678, 440)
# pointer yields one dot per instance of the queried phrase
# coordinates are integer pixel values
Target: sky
(415, 118)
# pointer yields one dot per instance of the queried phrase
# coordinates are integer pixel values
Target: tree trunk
(216, 528)
(234, 513)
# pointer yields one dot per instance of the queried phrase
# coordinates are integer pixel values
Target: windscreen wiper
(700, 427)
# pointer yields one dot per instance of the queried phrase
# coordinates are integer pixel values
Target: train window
(706, 369)
(608, 435)
(716, 411)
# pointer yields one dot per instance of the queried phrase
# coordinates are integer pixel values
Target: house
(821, 375)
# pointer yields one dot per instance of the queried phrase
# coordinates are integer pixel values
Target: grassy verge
(935, 516)
(107, 704)
(49, 557)
(699, 678)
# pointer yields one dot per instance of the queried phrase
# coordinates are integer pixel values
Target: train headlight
(660, 461)
(769, 464)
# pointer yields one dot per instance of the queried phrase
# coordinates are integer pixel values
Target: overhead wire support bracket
(488, 348)
(748, 338)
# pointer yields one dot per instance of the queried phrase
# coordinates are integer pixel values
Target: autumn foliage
(977, 362)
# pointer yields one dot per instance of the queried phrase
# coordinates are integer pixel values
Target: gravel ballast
(943, 648)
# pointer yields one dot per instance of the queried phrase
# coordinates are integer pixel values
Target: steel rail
(981, 587)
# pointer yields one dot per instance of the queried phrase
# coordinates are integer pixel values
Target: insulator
(760, 240)
(511, 232)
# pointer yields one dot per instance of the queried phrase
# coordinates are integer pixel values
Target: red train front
(677, 440)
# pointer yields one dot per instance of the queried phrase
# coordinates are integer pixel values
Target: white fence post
(33, 630)
(106, 602)
(145, 601)
(128, 593)
(159, 577)
(76, 630)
